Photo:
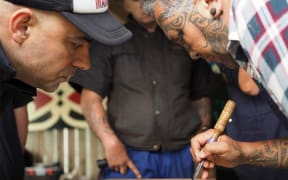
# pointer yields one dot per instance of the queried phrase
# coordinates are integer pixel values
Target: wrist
(204, 128)
(243, 153)
(109, 140)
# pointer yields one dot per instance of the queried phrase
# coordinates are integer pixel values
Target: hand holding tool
(218, 129)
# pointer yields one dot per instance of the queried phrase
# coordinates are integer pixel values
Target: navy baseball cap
(90, 16)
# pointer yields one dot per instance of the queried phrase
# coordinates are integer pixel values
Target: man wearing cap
(43, 42)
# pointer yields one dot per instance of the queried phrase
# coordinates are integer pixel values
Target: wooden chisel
(218, 129)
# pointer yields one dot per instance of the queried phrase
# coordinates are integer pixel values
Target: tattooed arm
(271, 153)
(203, 107)
(230, 153)
(115, 151)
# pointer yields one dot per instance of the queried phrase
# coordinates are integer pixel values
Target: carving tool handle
(218, 128)
(223, 120)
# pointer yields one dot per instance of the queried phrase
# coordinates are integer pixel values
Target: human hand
(211, 174)
(225, 152)
(118, 159)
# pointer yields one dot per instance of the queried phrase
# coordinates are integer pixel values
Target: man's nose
(82, 60)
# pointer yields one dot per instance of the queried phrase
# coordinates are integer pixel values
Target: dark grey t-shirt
(150, 83)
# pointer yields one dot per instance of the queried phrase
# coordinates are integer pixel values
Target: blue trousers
(175, 164)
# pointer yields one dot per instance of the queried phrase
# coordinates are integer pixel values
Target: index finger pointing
(134, 169)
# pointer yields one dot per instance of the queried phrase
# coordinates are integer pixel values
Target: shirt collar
(6, 70)
(132, 23)
(8, 73)
(233, 35)
(233, 46)
(23, 87)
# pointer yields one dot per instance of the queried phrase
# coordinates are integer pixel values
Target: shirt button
(157, 112)
(154, 82)
(156, 147)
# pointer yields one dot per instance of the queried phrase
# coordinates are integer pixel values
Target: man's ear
(19, 25)
(126, 6)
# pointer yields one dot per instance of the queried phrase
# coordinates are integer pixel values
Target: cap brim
(102, 27)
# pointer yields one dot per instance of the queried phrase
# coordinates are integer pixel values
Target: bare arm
(230, 153)
(115, 151)
(93, 110)
(21, 116)
(203, 107)
(271, 153)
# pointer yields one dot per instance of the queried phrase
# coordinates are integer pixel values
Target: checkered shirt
(262, 29)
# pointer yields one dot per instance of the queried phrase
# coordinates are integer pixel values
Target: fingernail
(139, 176)
(201, 154)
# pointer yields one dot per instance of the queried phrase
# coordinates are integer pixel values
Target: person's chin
(50, 87)
(53, 85)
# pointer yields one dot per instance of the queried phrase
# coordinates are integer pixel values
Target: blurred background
(60, 144)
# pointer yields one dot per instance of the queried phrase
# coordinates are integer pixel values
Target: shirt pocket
(180, 64)
(128, 66)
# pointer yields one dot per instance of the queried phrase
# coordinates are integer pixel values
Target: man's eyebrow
(84, 38)
(88, 38)
(80, 38)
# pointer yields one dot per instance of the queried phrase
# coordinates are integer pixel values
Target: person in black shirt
(157, 100)
(42, 43)
(13, 120)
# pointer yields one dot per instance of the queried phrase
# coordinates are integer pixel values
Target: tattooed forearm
(271, 154)
(266, 156)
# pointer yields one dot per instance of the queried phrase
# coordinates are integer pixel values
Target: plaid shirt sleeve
(262, 26)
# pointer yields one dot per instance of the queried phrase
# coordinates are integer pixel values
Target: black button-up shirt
(150, 83)
(13, 94)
